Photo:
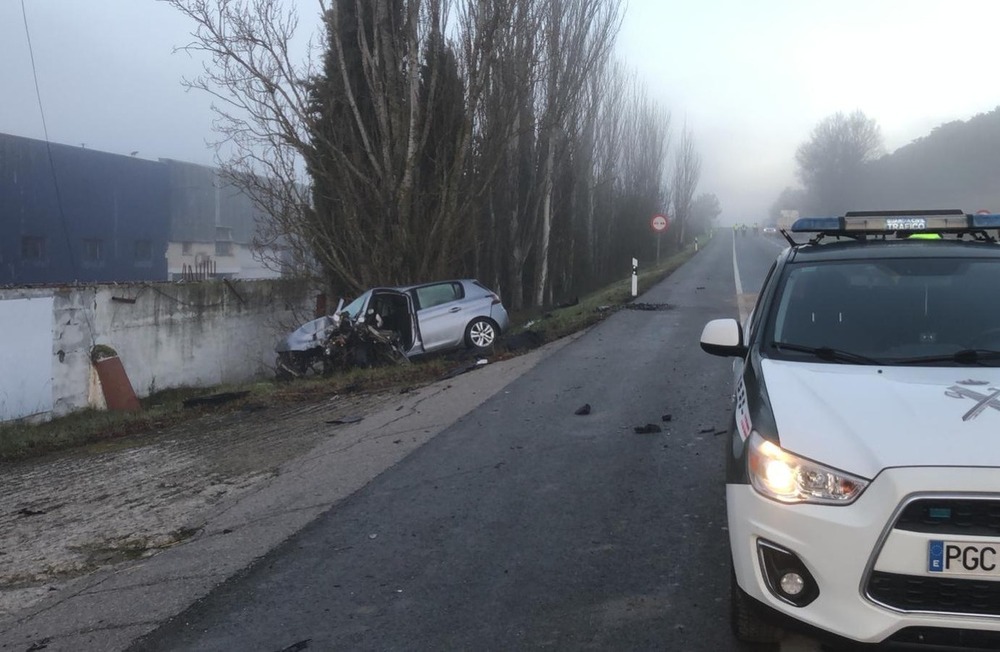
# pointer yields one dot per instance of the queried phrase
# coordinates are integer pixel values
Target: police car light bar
(875, 222)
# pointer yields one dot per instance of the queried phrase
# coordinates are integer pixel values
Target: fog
(750, 79)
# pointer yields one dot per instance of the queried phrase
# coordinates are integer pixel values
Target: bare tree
(687, 174)
(261, 107)
(704, 210)
(435, 138)
(831, 161)
(505, 146)
(361, 166)
(578, 37)
(788, 199)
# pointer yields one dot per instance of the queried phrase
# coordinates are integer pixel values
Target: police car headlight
(788, 478)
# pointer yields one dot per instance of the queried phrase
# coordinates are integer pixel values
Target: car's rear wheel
(481, 333)
(749, 624)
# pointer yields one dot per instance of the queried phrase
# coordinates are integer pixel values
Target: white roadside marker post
(635, 278)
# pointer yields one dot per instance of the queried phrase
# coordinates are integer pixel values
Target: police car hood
(862, 419)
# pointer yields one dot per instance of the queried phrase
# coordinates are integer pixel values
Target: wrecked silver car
(394, 324)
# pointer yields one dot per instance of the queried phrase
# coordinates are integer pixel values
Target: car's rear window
(429, 296)
(890, 308)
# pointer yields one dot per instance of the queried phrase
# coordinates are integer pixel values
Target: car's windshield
(896, 310)
(354, 308)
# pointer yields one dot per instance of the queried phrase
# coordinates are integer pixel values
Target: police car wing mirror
(723, 337)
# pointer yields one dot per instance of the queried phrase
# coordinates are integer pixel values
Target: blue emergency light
(900, 222)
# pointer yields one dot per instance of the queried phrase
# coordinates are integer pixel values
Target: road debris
(647, 429)
(297, 647)
(667, 417)
(214, 399)
(648, 307)
(706, 430)
(343, 421)
(464, 368)
(524, 341)
(583, 410)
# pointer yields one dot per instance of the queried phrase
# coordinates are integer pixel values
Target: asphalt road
(525, 526)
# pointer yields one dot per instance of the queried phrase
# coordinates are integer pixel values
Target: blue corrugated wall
(114, 220)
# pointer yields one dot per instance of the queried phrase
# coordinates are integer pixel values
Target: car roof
(849, 249)
(405, 288)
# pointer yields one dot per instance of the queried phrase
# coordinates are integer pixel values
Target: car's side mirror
(723, 337)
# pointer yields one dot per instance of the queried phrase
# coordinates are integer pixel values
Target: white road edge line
(739, 283)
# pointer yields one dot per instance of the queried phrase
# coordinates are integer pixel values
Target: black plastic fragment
(214, 399)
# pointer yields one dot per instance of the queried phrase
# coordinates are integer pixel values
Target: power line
(52, 166)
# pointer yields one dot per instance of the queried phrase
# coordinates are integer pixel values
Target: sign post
(635, 277)
(659, 224)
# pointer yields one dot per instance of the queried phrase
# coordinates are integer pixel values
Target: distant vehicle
(862, 451)
(770, 230)
(403, 322)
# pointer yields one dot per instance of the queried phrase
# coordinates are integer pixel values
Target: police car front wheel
(749, 624)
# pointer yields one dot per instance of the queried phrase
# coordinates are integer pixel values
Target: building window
(93, 251)
(223, 233)
(223, 248)
(186, 248)
(33, 248)
(143, 253)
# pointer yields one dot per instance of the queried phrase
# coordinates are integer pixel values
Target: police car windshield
(895, 311)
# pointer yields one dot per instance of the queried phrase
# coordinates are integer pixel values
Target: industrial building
(77, 215)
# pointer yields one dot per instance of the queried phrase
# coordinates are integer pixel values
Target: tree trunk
(543, 244)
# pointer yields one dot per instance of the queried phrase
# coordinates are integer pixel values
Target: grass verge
(20, 440)
(596, 306)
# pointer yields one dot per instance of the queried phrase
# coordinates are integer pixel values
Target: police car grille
(951, 516)
(916, 593)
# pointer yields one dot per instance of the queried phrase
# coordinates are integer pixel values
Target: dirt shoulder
(99, 546)
(68, 515)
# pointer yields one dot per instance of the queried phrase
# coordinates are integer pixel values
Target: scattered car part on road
(343, 421)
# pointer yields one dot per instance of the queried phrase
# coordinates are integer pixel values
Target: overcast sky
(750, 77)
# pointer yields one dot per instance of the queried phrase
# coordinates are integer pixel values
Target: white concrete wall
(167, 335)
(25, 360)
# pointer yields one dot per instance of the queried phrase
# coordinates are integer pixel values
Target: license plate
(977, 558)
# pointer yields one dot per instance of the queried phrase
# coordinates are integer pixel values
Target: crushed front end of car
(336, 343)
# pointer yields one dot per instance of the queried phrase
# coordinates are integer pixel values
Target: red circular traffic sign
(659, 223)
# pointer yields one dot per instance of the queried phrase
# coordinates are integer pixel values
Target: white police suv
(863, 482)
